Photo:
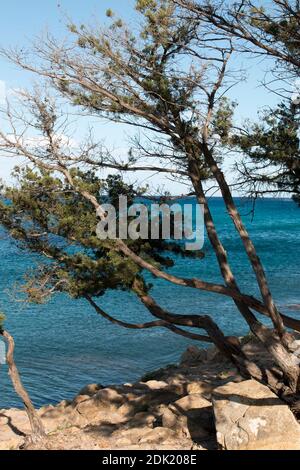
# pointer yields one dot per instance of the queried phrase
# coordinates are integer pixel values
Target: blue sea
(63, 345)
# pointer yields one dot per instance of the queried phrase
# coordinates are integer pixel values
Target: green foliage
(145, 5)
(281, 27)
(222, 119)
(109, 13)
(274, 142)
(45, 215)
(114, 186)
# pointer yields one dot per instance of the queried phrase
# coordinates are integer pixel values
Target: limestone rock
(199, 386)
(249, 416)
(193, 356)
(191, 417)
(155, 384)
(14, 426)
(130, 436)
(12, 442)
(90, 390)
(191, 402)
(158, 374)
(142, 419)
(159, 435)
(79, 399)
(119, 403)
(106, 400)
(123, 442)
(215, 356)
(59, 418)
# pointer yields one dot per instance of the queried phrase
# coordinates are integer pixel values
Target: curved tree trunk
(278, 351)
(247, 242)
(38, 431)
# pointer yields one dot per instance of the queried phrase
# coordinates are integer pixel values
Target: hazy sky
(22, 21)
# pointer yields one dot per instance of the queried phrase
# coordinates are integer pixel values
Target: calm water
(63, 345)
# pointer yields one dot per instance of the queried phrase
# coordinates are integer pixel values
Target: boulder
(79, 399)
(142, 419)
(155, 384)
(90, 390)
(248, 416)
(193, 356)
(203, 388)
(191, 417)
(119, 402)
(158, 374)
(101, 404)
(214, 355)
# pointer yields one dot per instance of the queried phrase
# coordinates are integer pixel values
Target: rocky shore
(200, 404)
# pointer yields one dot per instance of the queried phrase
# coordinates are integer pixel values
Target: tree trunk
(232, 350)
(37, 428)
(247, 242)
(278, 351)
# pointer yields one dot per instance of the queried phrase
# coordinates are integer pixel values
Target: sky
(20, 22)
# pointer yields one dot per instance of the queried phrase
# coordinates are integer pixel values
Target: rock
(214, 355)
(191, 417)
(230, 374)
(60, 418)
(64, 404)
(192, 356)
(249, 416)
(90, 390)
(203, 388)
(158, 374)
(134, 406)
(155, 384)
(130, 390)
(10, 443)
(123, 442)
(14, 426)
(79, 399)
(107, 399)
(132, 435)
(191, 402)
(142, 419)
(119, 402)
(158, 435)
(161, 397)
(45, 409)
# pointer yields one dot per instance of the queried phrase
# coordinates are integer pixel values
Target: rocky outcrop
(192, 417)
(202, 403)
(249, 416)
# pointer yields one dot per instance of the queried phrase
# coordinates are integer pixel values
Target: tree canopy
(168, 78)
(271, 149)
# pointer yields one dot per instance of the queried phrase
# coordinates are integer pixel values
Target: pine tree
(165, 80)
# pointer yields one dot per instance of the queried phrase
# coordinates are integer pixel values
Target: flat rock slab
(248, 416)
(14, 425)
